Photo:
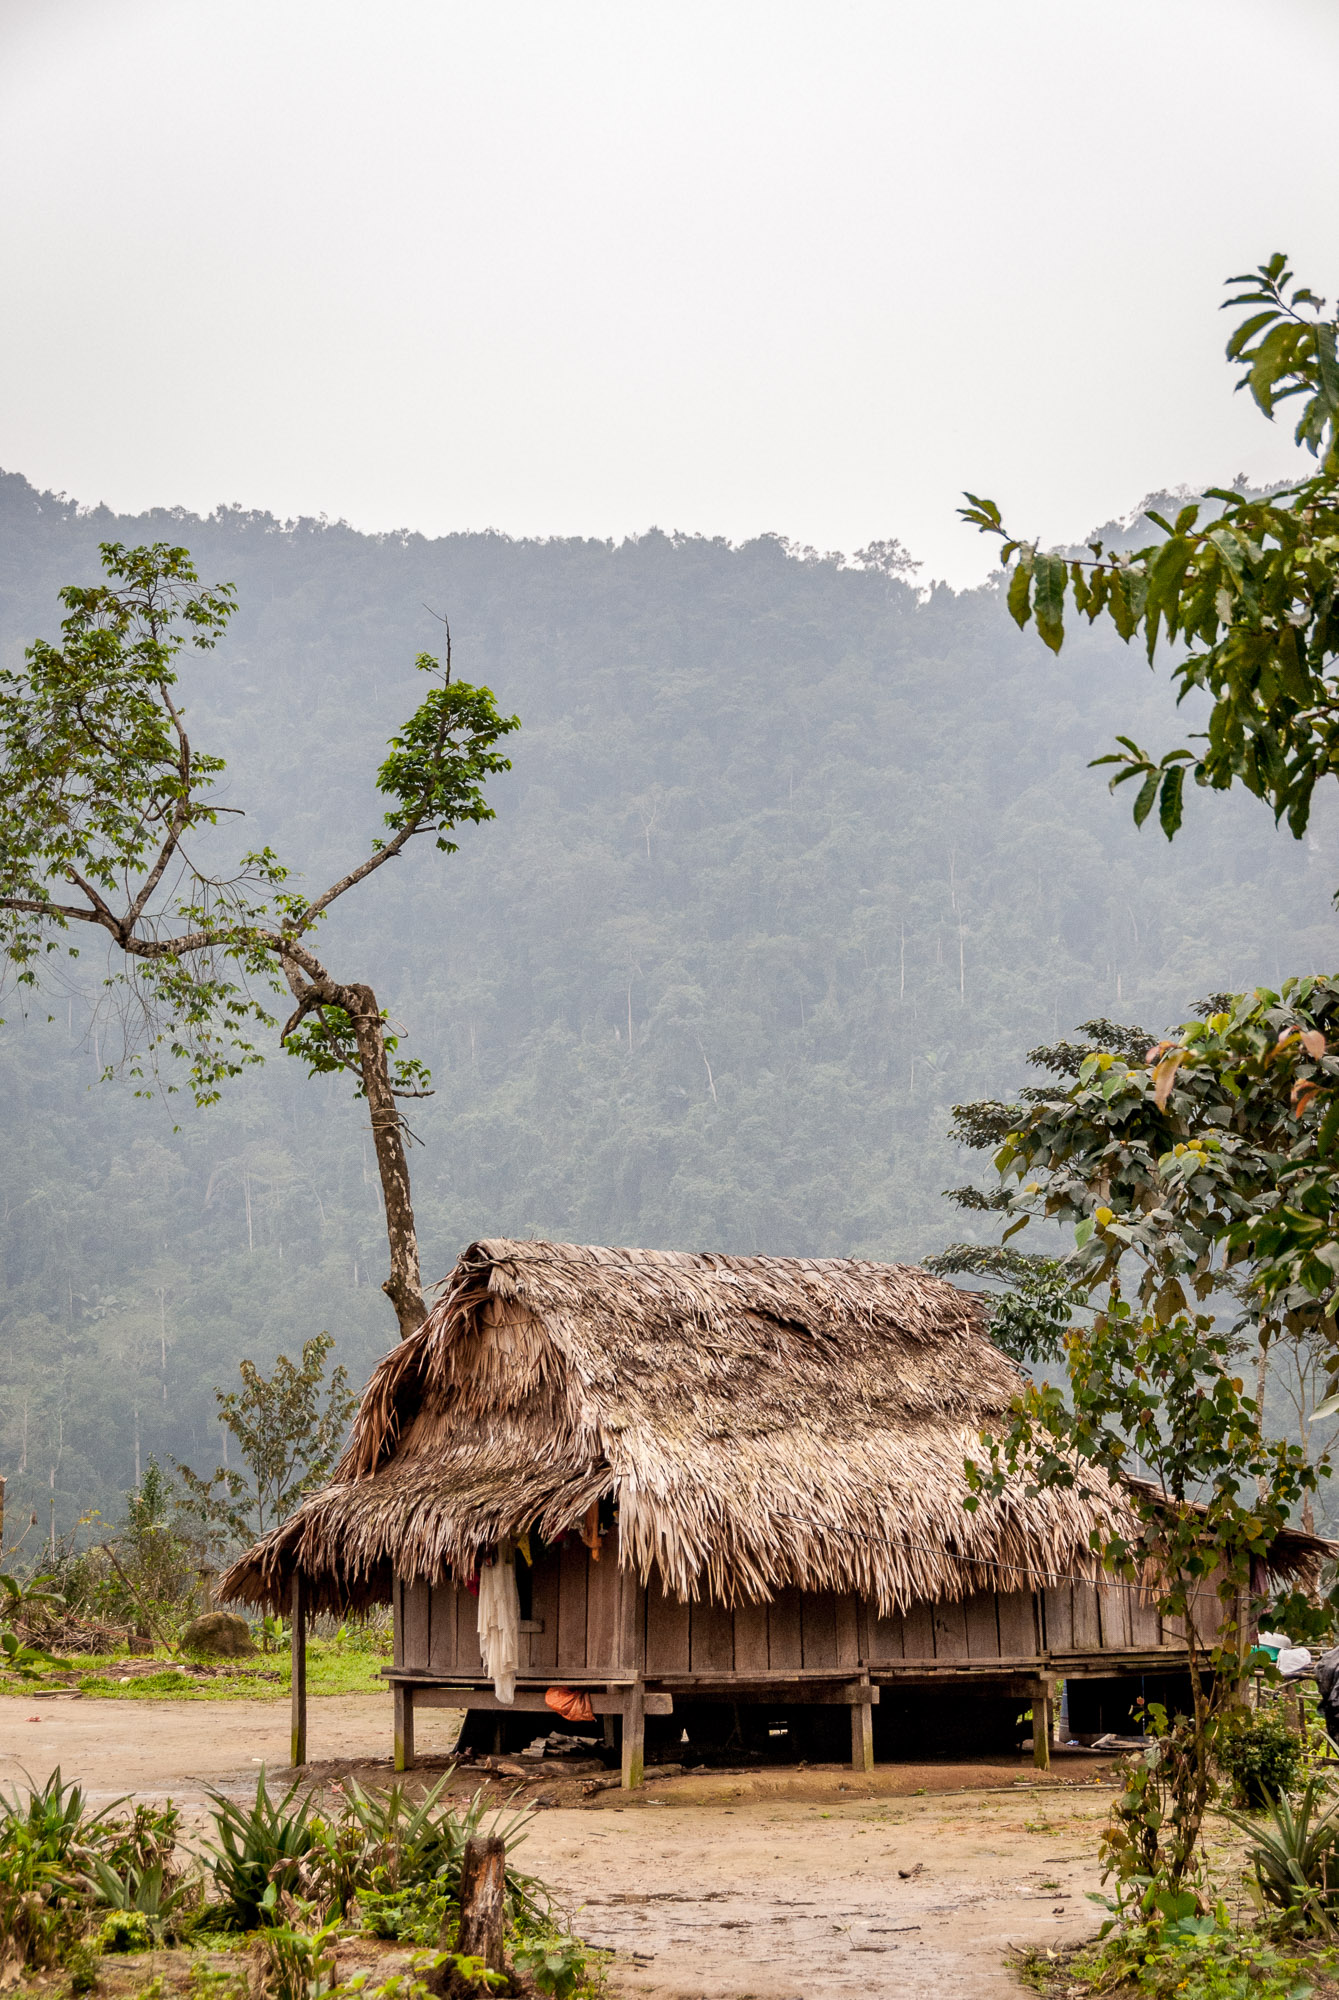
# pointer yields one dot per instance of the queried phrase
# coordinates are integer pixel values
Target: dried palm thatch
(759, 1422)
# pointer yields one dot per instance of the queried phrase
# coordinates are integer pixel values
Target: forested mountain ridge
(791, 859)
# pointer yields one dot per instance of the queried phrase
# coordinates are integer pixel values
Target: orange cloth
(572, 1707)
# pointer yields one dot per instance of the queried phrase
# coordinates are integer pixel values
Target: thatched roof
(758, 1421)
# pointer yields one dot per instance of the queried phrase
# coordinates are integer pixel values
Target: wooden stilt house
(736, 1480)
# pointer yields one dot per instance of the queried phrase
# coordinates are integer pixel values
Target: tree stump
(483, 1911)
(483, 1900)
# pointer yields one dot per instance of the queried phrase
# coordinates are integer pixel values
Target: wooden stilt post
(404, 1727)
(297, 1654)
(634, 1735)
(1041, 1725)
(862, 1733)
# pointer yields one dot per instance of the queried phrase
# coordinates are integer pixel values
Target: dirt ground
(787, 1884)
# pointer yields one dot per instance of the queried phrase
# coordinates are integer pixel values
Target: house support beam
(634, 1737)
(1042, 1722)
(405, 1695)
(297, 1655)
(862, 1729)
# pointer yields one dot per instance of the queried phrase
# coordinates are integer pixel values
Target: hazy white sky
(562, 266)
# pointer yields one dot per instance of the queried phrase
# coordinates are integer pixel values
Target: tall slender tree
(105, 809)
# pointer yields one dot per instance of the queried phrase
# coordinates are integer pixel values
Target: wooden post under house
(297, 1655)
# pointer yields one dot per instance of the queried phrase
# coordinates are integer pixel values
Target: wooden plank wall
(989, 1626)
(813, 1629)
(1115, 1617)
(592, 1620)
(575, 1603)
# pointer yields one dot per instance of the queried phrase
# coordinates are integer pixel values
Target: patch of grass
(334, 1666)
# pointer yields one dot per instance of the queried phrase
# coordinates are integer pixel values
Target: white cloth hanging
(500, 1624)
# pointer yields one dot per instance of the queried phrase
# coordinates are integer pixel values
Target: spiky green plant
(1295, 1855)
(258, 1852)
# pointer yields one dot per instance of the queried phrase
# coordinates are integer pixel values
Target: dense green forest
(793, 857)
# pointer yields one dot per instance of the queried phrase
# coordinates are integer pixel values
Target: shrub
(1190, 1957)
(1261, 1754)
(1295, 1857)
(555, 1965)
(81, 1966)
(148, 1837)
(43, 1840)
(296, 1964)
(414, 1914)
(258, 1853)
(386, 1844)
(126, 1930)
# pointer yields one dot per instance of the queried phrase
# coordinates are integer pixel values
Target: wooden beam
(634, 1738)
(1072, 1666)
(862, 1732)
(858, 1694)
(746, 1680)
(405, 1697)
(532, 1681)
(528, 1702)
(779, 1692)
(297, 1655)
(630, 1637)
(1041, 1726)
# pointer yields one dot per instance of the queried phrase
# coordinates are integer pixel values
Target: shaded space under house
(730, 1486)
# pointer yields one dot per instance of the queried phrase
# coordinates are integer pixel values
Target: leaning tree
(105, 810)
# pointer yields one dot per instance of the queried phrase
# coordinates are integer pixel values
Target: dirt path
(780, 1886)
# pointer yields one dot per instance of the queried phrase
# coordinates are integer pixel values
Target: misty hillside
(792, 858)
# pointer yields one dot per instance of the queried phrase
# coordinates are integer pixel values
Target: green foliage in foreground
(61, 1863)
(1177, 1953)
(1162, 1395)
(74, 1883)
(1295, 1857)
(1168, 1161)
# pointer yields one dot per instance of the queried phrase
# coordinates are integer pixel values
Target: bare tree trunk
(404, 1287)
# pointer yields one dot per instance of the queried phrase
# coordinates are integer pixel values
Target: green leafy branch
(1250, 592)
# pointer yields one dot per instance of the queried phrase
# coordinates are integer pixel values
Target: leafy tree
(288, 1440)
(1157, 1395)
(104, 805)
(1208, 1159)
(1172, 1153)
(1155, 1154)
(1197, 1159)
(1031, 1314)
(1252, 592)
